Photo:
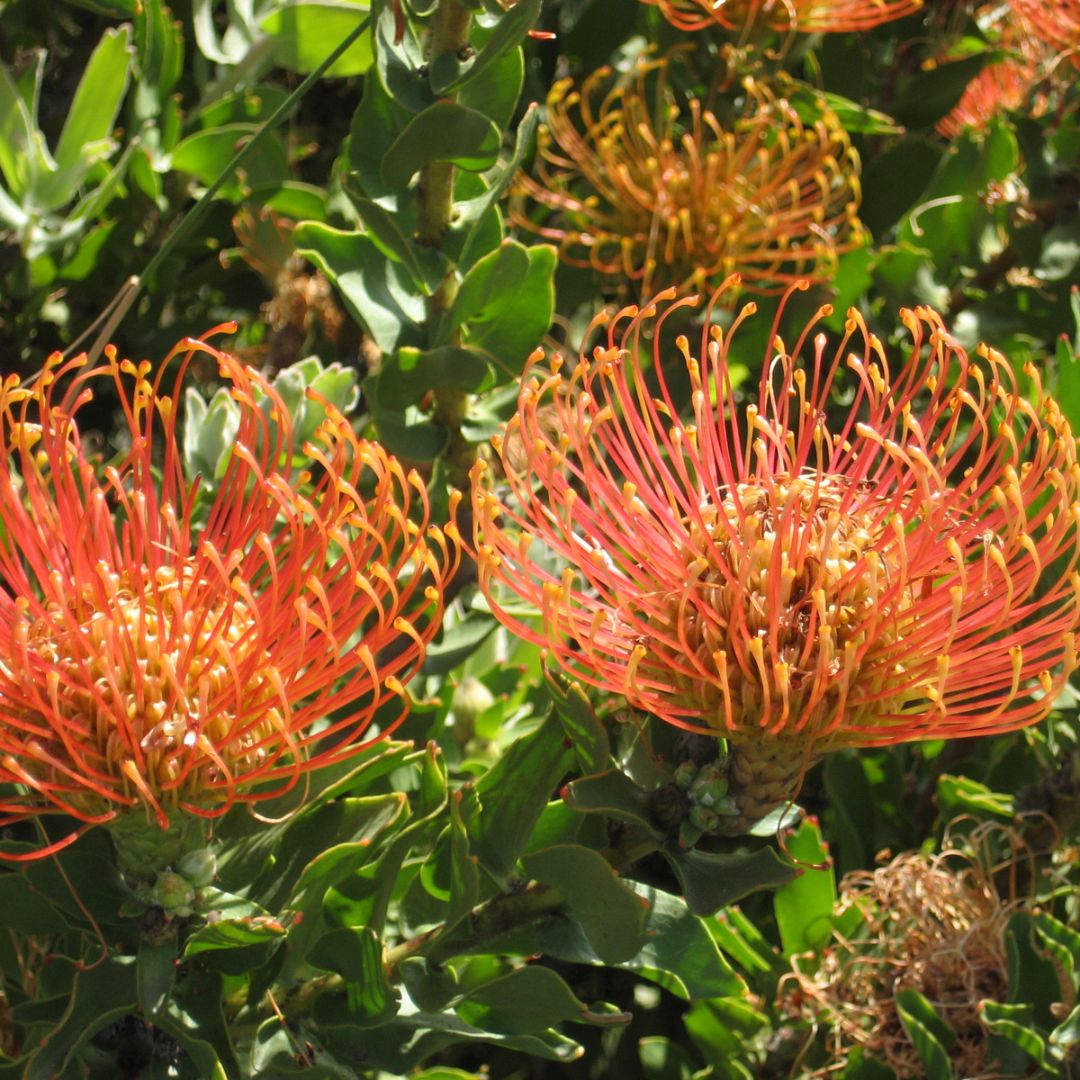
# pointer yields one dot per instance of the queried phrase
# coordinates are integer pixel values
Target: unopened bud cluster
(705, 788)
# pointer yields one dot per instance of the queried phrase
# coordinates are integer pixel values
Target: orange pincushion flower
(1054, 22)
(793, 576)
(641, 190)
(149, 661)
(1006, 85)
(998, 88)
(786, 16)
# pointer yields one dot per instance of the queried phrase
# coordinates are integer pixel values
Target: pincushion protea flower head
(786, 16)
(1007, 84)
(1054, 22)
(794, 576)
(151, 666)
(641, 190)
(998, 88)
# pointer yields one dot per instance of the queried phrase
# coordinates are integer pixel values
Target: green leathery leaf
(295, 199)
(251, 849)
(426, 266)
(87, 133)
(1060, 941)
(355, 953)
(409, 434)
(442, 1073)
(206, 154)
(612, 794)
(1067, 390)
(406, 1041)
(712, 880)
(444, 131)
(27, 909)
(611, 915)
(376, 291)
(458, 642)
(524, 319)
(399, 58)
(525, 1002)
(355, 821)
(307, 31)
(431, 797)
(155, 975)
(473, 213)
(331, 864)
(84, 260)
(929, 95)
(679, 952)
(99, 995)
(235, 946)
(1074, 307)
(947, 222)
(496, 91)
(961, 795)
(464, 872)
(114, 9)
(579, 720)
(804, 906)
(196, 1020)
(1065, 1038)
(1033, 979)
(740, 939)
(721, 1028)
(251, 105)
(1014, 1022)
(808, 102)
(929, 1034)
(410, 373)
(274, 1057)
(159, 44)
(513, 794)
(883, 200)
(662, 1059)
(490, 285)
(376, 123)
(509, 32)
(80, 881)
(19, 140)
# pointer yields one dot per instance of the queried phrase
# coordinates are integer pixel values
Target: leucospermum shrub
(290, 787)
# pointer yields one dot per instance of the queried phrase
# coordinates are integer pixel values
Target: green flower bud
(470, 700)
(173, 893)
(701, 817)
(685, 774)
(199, 867)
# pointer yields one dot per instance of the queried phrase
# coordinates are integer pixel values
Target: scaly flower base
(762, 776)
(143, 848)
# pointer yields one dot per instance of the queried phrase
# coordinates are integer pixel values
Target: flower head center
(789, 582)
(147, 680)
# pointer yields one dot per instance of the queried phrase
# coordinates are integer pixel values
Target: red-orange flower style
(629, 184)
(998, 88)
(786, 16)
(796, 575)
(1054, 22)
(169, 654)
